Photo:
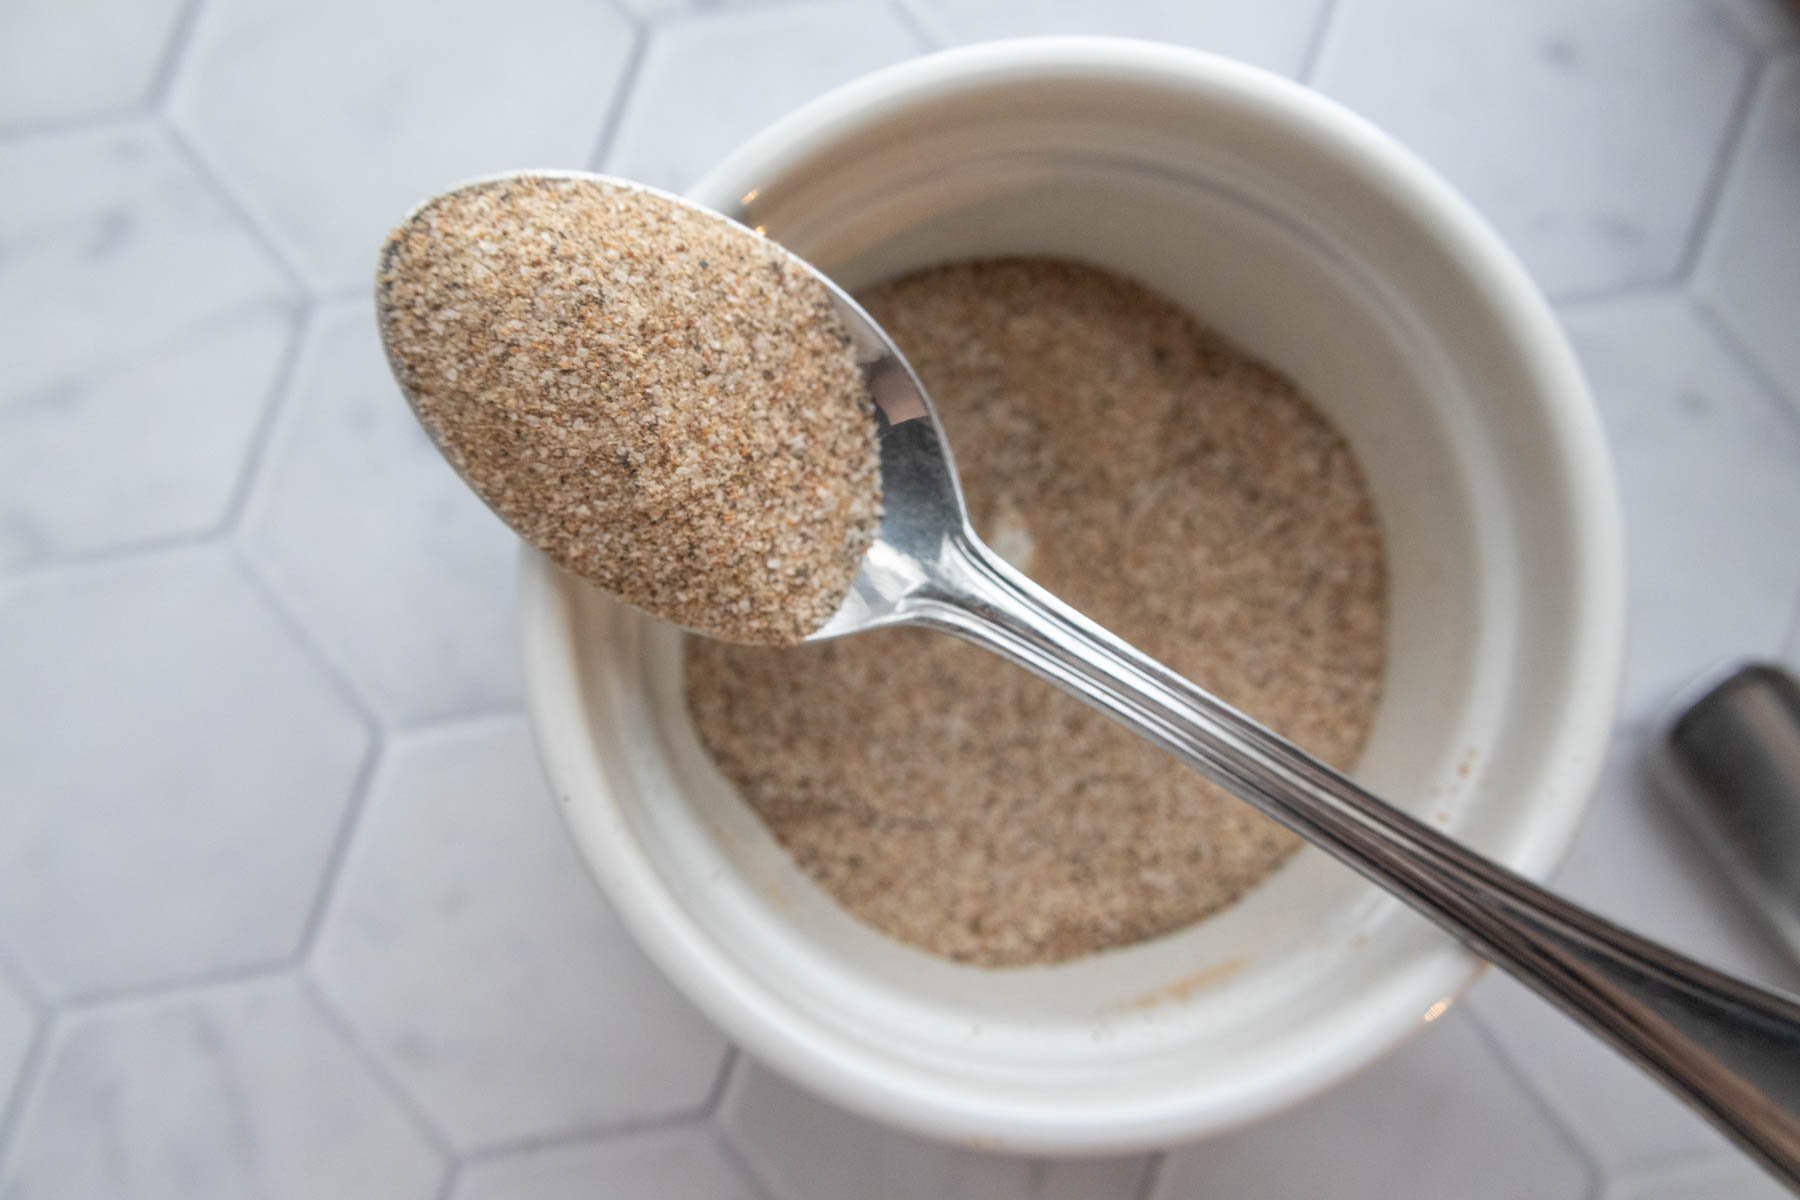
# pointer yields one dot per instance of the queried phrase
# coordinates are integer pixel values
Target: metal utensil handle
(1730, 1049)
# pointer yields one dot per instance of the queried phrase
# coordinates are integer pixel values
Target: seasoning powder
(1162, 482)
(656, 398)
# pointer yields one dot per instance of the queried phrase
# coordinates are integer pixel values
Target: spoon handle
(1728, 1048)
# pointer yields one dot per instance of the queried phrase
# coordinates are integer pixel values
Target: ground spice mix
(1161, 481)
(656, 398)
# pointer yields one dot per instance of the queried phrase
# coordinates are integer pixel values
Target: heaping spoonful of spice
(657, 399)
(686, 414)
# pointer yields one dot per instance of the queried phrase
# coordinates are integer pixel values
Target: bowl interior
(1279, 232)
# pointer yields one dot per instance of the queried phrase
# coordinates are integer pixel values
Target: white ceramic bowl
(1322, 246)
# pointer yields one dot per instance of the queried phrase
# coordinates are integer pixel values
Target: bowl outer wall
(774, 1031)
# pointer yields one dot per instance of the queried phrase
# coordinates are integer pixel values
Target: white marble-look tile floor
(284, 909)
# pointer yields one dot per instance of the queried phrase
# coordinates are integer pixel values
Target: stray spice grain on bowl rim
(657, 399)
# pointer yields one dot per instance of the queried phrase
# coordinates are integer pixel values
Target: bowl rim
(779, 1035)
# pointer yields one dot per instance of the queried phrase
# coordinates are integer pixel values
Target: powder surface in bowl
(1162, 482)
(658, 399)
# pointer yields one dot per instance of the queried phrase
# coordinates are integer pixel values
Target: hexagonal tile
(1709, 468)
(1727, 1177)
(1750, 271)
(177, 772)
(1270, 33)
(1440, 1117)
(234, 1093)
(18, 1021)
(405, 576)
(1635, 862)
(805, 1149)
(676, 1164)
(1586, 132)
(1628, 1121)
(708, 83)
(144, 329)
(53, 68)
(334, 117)
(468, 943)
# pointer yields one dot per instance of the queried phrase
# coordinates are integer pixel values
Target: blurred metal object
(1728, 758)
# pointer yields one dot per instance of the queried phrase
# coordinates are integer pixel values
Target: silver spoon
(1726, 1047)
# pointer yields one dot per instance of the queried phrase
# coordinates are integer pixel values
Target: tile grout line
(715, 1095)
(1614, 293)
(47, 127)
(234, 542)
(12, 971)
(614, 115)
(623, 11)
(82, 561)
(916, 25)
(1153, 1175)
(740, 1159)
(591, 1133)
(1564, 1129)
(343, 838)
(705, 10)
(1745, 357)
(1729, 18)
(303, 327)
(452, 1176)
(1315, 45)
(731, 1080)
(1722, 1157)
(352, 1040)
(32, 1071)
(162, 989)
(362, 786)
(285, 261)
(478, 715)
(739, 1165)
(1718, 176)
(168, 64)
(174, 55)
(322, 659)
(43, 1016)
